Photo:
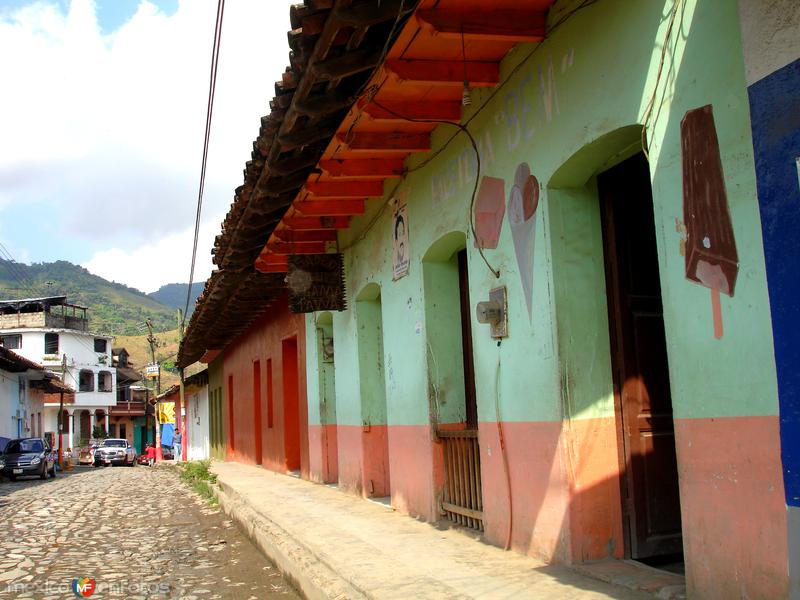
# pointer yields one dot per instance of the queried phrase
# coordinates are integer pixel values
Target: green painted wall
(594, 75)
(370, 359)
(580, 298)
(217, 404)
(321, 383)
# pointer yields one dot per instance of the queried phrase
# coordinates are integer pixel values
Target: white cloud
(108, 129)
(166, 259)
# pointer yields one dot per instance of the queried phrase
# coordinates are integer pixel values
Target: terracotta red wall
(264, 341)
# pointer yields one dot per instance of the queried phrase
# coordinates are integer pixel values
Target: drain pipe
(503, 453)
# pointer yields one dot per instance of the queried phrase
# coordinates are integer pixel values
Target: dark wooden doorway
(462, 500)
(291, 404)
(651, 501)
(257, 411)
(466, 342)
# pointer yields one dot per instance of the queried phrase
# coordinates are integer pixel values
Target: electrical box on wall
(495, 313)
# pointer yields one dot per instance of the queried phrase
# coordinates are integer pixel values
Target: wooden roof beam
(444, 72)
(363, 167)
(345, 189)
(330, 208)
(305, 235)
(391, 141)
(403, 111)
(277, 247)
(272, 268)
(507, 25)
(298, 222)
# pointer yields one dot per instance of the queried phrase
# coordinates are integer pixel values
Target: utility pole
(153, 343)
(61, 415)
(179, 417)
(152, 340)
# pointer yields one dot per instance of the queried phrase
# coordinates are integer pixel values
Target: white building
(55, 334)
(23, 385)
(195, 417)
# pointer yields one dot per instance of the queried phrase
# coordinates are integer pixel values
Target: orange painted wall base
(733, 508)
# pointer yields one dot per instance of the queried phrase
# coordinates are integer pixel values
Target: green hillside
(174, 295)
(114, 308)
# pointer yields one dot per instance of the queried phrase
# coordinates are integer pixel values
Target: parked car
(115, 451)
(28, 456)
(167, 453)
(86, 455)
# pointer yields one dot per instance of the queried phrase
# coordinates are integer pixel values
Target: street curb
(306, 571)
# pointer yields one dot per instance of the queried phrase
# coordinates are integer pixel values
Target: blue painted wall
(775, 114)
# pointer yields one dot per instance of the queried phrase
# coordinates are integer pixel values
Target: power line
(212, 85)
(462, 128)
(16, 272)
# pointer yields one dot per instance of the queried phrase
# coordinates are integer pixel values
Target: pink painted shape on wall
(490, 208)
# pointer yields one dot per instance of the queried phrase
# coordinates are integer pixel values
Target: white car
(115, 451)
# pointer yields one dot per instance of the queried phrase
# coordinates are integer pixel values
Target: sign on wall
(400, 249)
(316, 282)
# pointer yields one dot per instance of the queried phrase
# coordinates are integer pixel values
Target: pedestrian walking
(176, 443)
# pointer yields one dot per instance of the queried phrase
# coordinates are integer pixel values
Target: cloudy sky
(101, 127)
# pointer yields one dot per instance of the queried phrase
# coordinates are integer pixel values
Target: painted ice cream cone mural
(522, 204)
(711, 257)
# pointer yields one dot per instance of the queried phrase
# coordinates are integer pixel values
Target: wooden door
(291, 404)
(651, 504)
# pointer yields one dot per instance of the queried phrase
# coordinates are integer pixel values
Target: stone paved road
(139, 532)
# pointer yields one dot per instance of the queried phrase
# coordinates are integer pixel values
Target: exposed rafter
(511, 25)
(403, 111)
(444, 72)
(396, 141)
(345, 189)
(330, 208)
(363, 167)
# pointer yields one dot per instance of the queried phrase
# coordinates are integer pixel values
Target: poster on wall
(400, 248)
(166, 412)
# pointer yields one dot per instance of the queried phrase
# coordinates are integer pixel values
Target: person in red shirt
(150, 453)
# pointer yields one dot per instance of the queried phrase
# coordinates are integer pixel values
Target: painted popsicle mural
(711, 257)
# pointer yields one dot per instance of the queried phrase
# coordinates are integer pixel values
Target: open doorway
(257, 410)
(452, 378)
(291, 406)
(376, 481)
(645, 429)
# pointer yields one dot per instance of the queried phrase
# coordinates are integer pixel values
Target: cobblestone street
(138, 532)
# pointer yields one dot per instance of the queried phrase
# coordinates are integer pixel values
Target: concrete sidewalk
(334, 545)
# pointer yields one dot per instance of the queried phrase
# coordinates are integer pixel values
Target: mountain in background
(114, 308)
(174, 295)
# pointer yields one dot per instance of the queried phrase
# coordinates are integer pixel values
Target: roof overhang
(367, 85)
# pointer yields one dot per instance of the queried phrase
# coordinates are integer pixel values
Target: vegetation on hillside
(174, 295)
(166, 352)
(114, 308)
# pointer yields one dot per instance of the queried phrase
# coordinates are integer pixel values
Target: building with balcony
(55, 334)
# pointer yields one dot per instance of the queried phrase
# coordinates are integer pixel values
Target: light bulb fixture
(466, 97)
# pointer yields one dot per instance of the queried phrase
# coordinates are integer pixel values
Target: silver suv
(115, 451)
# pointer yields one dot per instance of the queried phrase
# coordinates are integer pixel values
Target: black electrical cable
(212, 85)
